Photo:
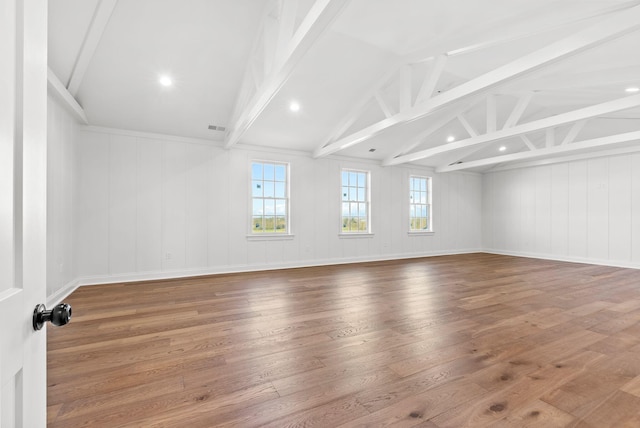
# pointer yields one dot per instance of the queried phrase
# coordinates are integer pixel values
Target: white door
(23, 226)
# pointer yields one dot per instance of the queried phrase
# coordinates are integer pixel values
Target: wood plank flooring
(455, 341)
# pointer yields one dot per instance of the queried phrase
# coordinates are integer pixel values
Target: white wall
(126, 206)
(152, 207)
(62, 273)
(587, 210)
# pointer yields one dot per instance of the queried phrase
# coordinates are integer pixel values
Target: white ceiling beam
(348, 122)
(573, 132)
(455, 157)
(537, 125)
(56, 87)
(432, 78)
(569, 158)
(549, 137)
(461, 154)
(317, 20)
(255, 77)
(492, 120)
(99, 22)
(467, 126)
(528, 143)
(434, 126)
(414, 142)
(605, 30)
(404, 88)
(609, 74)
(426, 54)
(359, 106)
(254, 71)
(386, 109)
(518, 110)
(286, 27)
(270, 44)
(549, 151)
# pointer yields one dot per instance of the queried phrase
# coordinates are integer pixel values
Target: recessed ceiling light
(165, 81)
(294, 106)
(451, 139)
(502, 148)
(632, 89)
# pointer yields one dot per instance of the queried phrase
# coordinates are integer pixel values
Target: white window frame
(253, 234)
(428, 204)
(367, 202)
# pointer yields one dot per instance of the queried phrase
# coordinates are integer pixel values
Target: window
(355, 202)
(419, 204)
(269, 197)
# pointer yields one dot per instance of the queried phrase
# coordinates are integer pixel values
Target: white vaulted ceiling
(398, 76)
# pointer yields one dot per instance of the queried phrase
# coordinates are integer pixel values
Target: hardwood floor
(455, 341)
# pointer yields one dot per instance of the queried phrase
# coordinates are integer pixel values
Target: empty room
(320, 213)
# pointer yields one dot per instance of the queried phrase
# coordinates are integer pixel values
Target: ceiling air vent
(217, 128)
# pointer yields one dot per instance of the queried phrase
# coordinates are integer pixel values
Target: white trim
(367, 200)
(159, 275)
(252, 148)
(59, 295)
(568, 259)
(150, 135)
(287, 197)
(270, 237)
(350, 235)
(419, 233)
(429, 192)
(150, 276)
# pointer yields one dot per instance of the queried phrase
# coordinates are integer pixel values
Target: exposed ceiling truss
(57, 88)
(548, 125)
(101, 16)
(548, 151)
(415, 103)
(67, 93)
(278, 49)
(544, 79)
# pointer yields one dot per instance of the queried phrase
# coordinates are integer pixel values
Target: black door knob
(59, 315)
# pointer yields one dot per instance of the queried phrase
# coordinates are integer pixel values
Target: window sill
(271, 237)
(420, 233)
(355, 235)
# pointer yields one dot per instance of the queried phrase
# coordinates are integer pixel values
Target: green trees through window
(419, 204)
(355, 201)
(270, 200)
(269, 197)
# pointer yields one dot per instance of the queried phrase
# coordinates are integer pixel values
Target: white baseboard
(185, 273)
(599, 262)
(62, 293)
